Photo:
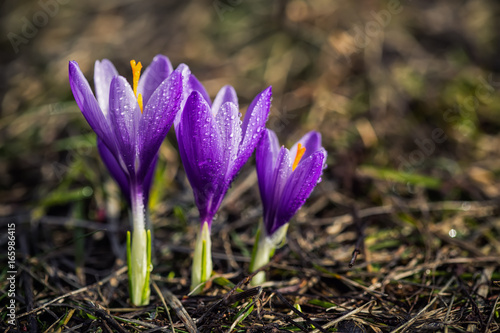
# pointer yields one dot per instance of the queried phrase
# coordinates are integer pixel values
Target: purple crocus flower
(214, 144)
(286, 179)
(131, 122)
(128, 134)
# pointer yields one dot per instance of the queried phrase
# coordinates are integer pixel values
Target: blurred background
(405, 94)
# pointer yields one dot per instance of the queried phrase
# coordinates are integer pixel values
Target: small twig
(178, 308)
(73, 329)
(109, 320)
(491, 315)
(155, 286)
(360, 243)
(244, 294)
(355, 254)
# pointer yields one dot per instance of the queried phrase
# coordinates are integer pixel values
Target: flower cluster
(131, 122)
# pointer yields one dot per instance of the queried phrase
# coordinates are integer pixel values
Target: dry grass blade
(75, 292)
(158, 292)
(448, 313)
(299, 313)
(492, 314)
(178, 308)
(346, 316)
(412, 320)
(246, 311)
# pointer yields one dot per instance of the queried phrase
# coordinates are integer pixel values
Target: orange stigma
(300, 152)
(136, 72)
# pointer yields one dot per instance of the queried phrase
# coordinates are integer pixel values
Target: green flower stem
(139, 254)
(202, 260)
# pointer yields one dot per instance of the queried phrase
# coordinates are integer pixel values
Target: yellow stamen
(136, 72)
(300, 152)
(139, 100)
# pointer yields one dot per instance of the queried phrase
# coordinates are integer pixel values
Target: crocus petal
(195, 85)
(266, 154)
(104, 71)
(114, 168)
(88, 105)
(186, 90)
(159, 69)
(228, 123)
(252, 127)
(148, 180)
(157, 119)
(311, 141)
(298, 187)
(278, 180)
(200, 150)
(124, 117)
(226, 94)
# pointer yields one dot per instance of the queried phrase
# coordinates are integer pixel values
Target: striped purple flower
(286, 179)
(131, 122)
(214, 144)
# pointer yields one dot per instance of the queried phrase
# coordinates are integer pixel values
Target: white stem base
(139, 265)
(202, 260)
(263, 250)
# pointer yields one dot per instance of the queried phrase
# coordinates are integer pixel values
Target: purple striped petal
(104, 71)
(311, 141)
(277, 181)
(186, 90)
(195, 85)
(159, 69)
(200, 149)
(228, 123)
(266, 154)
(226, 94)
(114, 168)
(157, 119)
(252, 127)
(148, 180)
(88, 105)
(298, 187)
(124, 117)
